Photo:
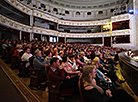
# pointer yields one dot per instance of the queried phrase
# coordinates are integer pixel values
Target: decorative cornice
(40, 14)
(16, 25)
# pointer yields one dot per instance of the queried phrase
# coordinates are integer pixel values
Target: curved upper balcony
(22, 27)
(62, 13)
(41, 14)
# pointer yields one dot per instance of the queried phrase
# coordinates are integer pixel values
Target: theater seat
(35, 80)
(13, 59)
(80, 85)
(8, 54)
(54, 89)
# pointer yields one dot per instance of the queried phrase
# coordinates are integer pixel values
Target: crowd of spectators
(67, 62)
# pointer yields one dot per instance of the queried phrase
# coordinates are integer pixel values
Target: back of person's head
(19, 46)
(54, 52)
(71, 56)
(48, 52)
(25, 49)
(54, 59)
(86, 71)
(64, 58)
(36, 51)
(96, 59)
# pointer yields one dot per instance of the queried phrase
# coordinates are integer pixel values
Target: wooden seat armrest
(54, 87)
(34, 72)
(32, 69)
(23, 63)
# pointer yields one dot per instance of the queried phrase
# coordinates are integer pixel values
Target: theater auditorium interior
(68, 50)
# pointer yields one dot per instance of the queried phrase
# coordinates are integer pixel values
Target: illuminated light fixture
(131, 11)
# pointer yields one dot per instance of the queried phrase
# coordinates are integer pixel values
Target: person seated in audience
(55, 54)
(109, 58)
(18, 50)
(14, 43)
(84, 59)
(49, 56)
(4, 44)
(110, 74)
(97, 52)
(66, 52)
(56, 73)
(30, 46)
(43, 51)
(67, 67)
(26, 56)
(94, 93)
(61, 53)
(72, 62)
(78, 62)
(103, 63)
(40, 63)
(92, 55)
(101, 77)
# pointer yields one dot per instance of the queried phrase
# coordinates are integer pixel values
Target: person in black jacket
(94, 93)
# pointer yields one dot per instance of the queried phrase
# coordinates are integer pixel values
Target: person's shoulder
(88, 87)
(35, 59)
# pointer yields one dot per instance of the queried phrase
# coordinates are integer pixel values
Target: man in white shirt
(26, 56)
(72, 62)
(84, 58)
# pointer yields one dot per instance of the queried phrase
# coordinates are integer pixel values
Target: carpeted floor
(8, 92)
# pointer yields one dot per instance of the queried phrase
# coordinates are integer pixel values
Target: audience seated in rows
(94, 93)
(39, 63)
(26, 56)
(57, 73)
(67, 61)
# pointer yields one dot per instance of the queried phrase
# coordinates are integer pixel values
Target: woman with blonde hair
(94, 93)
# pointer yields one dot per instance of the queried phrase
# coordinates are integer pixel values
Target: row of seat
(35, 80)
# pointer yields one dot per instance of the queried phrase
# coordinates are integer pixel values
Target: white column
(51, 9)
(103, 40)
(92, 13)
(73, 13)
(20, 35)
(84, 14)
(135, 24)
(41, 37)
(70, 13)
(49, 38)
(63, 11)
(111, 42)
(37, 4)
(31, 20)
(65, 40)
(31, 36)
(57, 38)
(104, 12)
(126, 7)
(108, 12)
(59, 10)
(95, 13)
(47, 7)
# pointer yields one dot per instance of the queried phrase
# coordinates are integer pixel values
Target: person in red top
(68, 67)
(57, 73)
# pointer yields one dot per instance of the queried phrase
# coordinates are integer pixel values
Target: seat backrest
(12, 50)
(46, 70)
(9, 48)
(31, 61)
(20, 55)
(80, 85)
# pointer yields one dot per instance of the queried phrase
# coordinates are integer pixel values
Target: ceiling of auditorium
(85, 4)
